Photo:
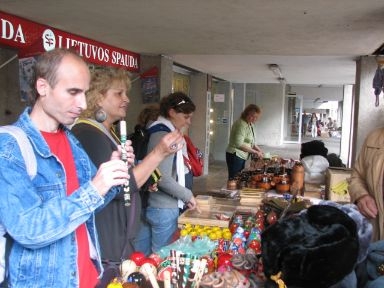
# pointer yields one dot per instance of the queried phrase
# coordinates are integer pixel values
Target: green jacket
(241, 134)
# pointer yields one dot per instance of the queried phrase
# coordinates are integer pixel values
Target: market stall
(219, 245)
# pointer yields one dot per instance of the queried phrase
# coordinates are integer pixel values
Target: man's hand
(367, 206)
(111, 173)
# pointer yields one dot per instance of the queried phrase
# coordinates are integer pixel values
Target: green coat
(241, 134)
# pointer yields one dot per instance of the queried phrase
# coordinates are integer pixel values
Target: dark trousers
(235, 164)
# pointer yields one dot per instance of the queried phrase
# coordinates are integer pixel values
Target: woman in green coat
(242, 140)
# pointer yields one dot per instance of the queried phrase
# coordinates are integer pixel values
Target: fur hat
(316, 248)
(314, 147)
(363, 225)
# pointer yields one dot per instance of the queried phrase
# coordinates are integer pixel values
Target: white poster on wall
(219, 98)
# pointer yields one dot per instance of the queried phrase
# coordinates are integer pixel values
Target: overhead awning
(32, 38)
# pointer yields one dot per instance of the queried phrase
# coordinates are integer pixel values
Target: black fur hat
(313, 249)
(314, 147)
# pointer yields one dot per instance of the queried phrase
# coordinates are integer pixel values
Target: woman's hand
(192, 205)
(259, 154)
(257, 151)
(129, 151)
(170, 143)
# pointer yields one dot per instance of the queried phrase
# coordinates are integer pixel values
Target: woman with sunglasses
(162, 212)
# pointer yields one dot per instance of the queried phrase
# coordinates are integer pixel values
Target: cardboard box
(336, 188)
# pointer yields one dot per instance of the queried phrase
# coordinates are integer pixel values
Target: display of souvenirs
(210, 255)
(199, 231)
(276, 207)
(231, 278)
(266, 174)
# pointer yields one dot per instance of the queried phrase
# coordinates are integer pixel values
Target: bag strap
(158, 127)
(25, 147)
(99, 126)
(31, 165)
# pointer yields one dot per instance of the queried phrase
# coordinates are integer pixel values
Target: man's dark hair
(46, 67)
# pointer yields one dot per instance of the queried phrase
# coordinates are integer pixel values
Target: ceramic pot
(265, 184)
(282, 188)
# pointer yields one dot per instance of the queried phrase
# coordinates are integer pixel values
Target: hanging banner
(150, 85)
(26, 71)
(33, 39)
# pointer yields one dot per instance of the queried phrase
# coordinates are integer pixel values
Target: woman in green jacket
(242, 140)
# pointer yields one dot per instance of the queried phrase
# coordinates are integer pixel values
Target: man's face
(64, 102)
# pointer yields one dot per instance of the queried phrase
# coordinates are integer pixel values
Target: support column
(200, 127)
(367, 117)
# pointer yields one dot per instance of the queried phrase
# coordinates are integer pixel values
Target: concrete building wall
(367, 116)
(166, 76)
(270, 98)
(199, 129)
(239, 93)
(267, 130)
(347, 116)
(220, 115)
(164, 64)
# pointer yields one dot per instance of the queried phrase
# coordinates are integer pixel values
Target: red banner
(32, 39)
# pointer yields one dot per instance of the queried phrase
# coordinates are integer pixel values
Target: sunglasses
(180, 103)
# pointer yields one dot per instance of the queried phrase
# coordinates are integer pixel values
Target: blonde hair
(101, 81)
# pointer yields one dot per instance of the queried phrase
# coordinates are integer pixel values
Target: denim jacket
(40, 217)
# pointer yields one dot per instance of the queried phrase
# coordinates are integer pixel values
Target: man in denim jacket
(51, 218)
